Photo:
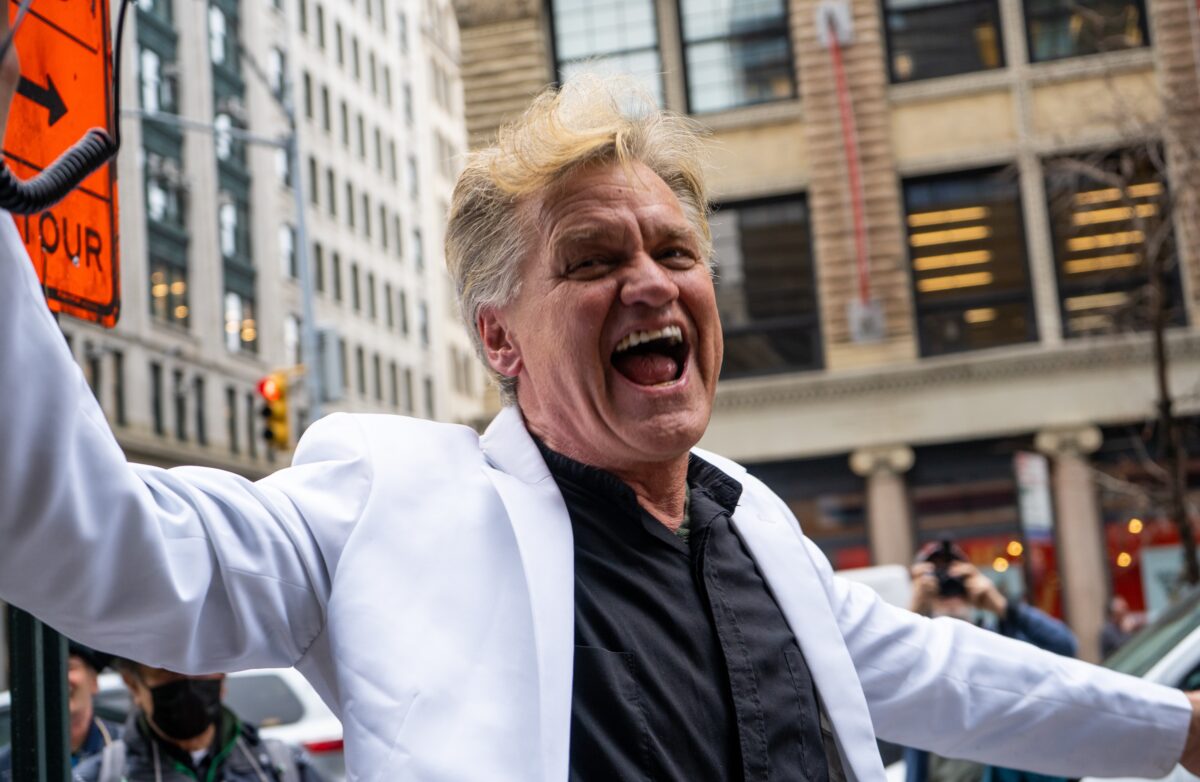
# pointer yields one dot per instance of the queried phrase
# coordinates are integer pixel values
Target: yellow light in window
(1014, 548)
(159, 291)
(1097, 196)
(178, 287)
(158, 277)
(969, 258)
(1085, 323)
(249, 335)
(981, 315)
(1136, 526)
(1000, 564)
(1144, 190)
(1124, 559)
(1101, 262)
(1116, 239)
(1114, 214)
(231, 327)
(953, 281)
(948, 216)
(181, 312)
(1097, 301)
(950, 235)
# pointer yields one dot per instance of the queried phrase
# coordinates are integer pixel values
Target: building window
(429, 398)
(287, 251)
(766, 287)
(201, 421)
(276, 70)
(737, 54)
(156, 398)
(326, 110)
(423, 323)
(291, 340)
(179, 395)
(164, 200)
(372, 312)
(966, 245)
(227, 217)
(336, 272)
(389, 308)
(252, 419)
(308, 95)
(319, 267)
(393, 386)
(314, 196)
(320, 26)
(403, 313)
(218, 35)
(609, 36)
(119, 411)
(930, 38)
(1072, 28)
(169, 293)
(222, 138)
(418, 250)
(355, 289)
(1110, 217)
(158, 89)
(350, 203)
(231, 419)
(241, 329)
(283, 167)
(302, 15)
(331, 188)
(377, 367)
(360, 366)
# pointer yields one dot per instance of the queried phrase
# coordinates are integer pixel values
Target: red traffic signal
(271, 388)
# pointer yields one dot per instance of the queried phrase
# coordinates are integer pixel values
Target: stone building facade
(932, 225)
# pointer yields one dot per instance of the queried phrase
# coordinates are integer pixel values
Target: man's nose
(647, 283)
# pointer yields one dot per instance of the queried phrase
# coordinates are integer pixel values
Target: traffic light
(273, 390)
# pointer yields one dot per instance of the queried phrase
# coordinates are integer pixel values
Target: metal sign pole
(40, 733)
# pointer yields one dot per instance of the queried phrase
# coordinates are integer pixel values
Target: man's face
(82, 686)
(614, 336)
(148, 678)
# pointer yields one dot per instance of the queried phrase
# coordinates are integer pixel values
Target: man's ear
(499, 346)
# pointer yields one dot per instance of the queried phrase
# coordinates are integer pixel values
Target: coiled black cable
(77, 163)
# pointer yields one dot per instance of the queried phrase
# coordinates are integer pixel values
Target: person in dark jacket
(89, 733)
(946, 584)
(179, 731)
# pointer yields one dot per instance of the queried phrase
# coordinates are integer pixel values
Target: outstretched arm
(188, 569)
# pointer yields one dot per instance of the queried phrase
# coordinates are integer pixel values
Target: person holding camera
(946, 584)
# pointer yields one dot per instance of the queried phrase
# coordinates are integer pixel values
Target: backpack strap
(283, 759)
(112, 762)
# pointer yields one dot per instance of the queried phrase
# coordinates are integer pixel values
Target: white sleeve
(190, 569)
(949, 687)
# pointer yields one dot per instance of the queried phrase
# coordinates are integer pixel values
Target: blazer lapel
(787, 568)
(543, 530)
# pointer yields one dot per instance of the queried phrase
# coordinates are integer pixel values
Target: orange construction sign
(65, 48)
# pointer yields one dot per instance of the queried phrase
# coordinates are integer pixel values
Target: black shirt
(685, 668)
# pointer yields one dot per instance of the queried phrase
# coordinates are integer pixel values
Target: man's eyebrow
(676, 233)
(582, 234)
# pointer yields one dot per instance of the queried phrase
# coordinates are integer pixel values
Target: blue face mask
(185, 708)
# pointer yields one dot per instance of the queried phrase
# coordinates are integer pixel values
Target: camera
(942, 554)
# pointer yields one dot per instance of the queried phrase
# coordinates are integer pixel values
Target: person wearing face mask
(90, 734)
(945, 584)
(179, 730)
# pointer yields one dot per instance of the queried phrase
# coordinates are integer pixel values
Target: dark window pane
(967, 249)
(737, 53)
(1071, 28)
(1110, 216)
(766, 290)
(930, 39)
(608, 36)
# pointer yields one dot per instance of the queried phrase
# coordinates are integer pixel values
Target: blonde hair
(590, 120)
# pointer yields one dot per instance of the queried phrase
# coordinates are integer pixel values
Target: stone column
(889, 521)
(1080, 534)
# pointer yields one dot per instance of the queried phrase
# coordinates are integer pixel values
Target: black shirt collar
(701, 477)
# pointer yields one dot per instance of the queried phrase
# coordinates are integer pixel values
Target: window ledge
(752, 116)
(1091, 65)
(951, 86)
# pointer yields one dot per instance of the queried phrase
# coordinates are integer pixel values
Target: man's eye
(587, 267)
(677, 257)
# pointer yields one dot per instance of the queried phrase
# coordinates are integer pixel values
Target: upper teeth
(673, 333)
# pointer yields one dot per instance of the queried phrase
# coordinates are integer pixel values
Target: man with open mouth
(579, 593)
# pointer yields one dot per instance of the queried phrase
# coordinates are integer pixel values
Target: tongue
(647, 369)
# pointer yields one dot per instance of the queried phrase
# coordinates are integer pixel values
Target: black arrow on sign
(47, 97)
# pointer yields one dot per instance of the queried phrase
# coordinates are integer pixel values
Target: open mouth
(651, 358)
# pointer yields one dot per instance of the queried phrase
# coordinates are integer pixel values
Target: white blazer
(421, 577)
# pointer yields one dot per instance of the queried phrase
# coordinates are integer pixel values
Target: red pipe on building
(853, 171)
